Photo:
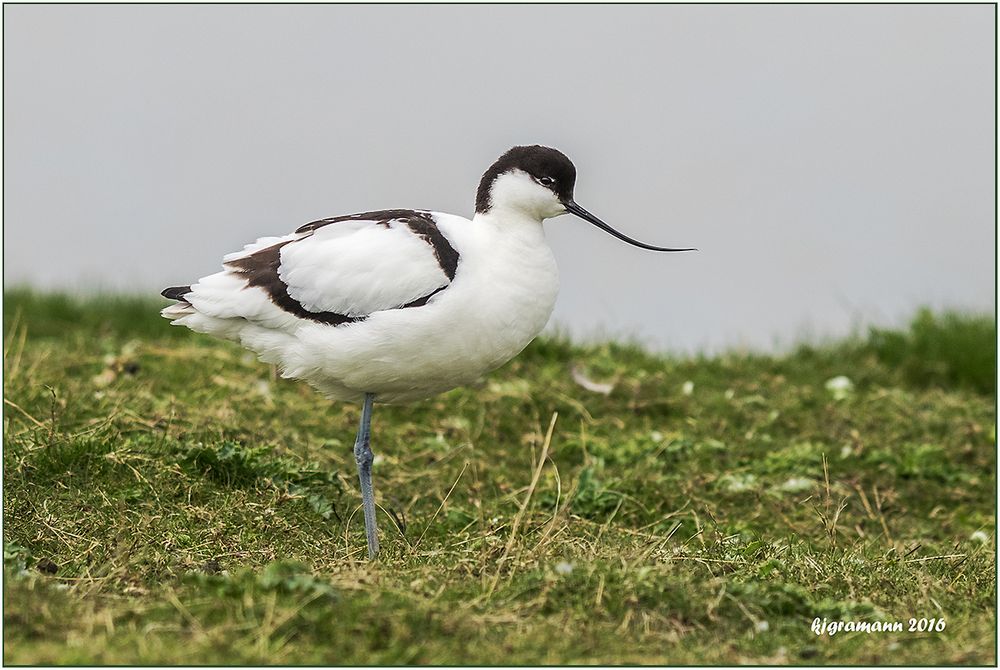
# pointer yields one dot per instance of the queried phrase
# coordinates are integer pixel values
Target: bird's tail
(182, 307)
(176, 292)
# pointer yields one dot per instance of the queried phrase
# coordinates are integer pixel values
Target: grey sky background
(833, 164)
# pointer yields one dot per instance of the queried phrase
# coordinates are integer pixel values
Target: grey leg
(363, 456)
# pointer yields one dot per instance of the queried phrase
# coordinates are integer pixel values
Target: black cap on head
(542, 163)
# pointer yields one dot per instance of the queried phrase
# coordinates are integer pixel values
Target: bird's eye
(546, 181)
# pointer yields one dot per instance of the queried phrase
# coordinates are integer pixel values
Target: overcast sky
(833, 164)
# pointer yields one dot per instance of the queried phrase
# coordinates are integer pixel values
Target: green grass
(168, 500)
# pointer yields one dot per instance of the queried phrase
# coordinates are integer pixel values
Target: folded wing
(333, 271)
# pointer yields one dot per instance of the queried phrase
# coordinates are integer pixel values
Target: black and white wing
(333, 271)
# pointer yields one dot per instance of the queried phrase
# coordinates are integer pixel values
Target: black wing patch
(382, 217)
(447, 257)
(260, 268)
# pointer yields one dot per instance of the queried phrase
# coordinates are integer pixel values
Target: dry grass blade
(524, 505)
(943, 557)
(441, 506)
(25, 413)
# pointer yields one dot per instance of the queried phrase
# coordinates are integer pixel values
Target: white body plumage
(500, 297)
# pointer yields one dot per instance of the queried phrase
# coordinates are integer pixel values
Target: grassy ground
(168, 500)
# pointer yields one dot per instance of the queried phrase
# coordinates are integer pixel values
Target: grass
(168, 500)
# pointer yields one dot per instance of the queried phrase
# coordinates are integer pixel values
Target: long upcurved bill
(574, 208)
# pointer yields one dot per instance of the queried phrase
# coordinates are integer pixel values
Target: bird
(398, 305)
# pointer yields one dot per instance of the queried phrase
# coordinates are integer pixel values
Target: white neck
(513, 223)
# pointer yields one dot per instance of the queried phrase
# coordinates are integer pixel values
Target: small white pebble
(656, 436)
(563, 568)
(846, 451)
(739, 482)
(797, 485)
(105, 378)
(840, 387)
(377, 459)
(688, 387)
(730, 394)
(980, 536)
(762, 626)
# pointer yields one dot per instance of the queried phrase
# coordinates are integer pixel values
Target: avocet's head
(538, 181)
